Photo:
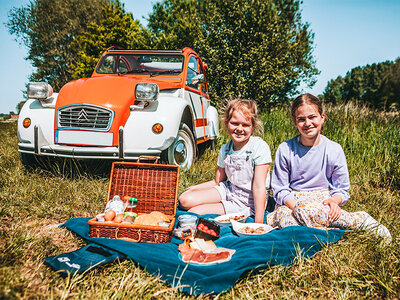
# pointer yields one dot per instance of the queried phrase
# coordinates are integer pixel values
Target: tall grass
(33, 204)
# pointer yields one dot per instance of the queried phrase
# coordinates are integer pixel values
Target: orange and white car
(137, 102)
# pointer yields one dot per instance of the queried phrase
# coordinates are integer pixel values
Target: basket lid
(155, 186)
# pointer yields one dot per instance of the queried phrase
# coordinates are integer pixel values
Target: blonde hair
(248, 108)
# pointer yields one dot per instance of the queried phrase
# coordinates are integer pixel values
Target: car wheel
(183, 150)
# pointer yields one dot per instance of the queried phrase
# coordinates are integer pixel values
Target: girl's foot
(374, 226)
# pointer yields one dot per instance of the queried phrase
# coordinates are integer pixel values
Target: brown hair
(248, 108)
(306, 99)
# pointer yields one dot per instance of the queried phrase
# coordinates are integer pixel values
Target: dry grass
(33, 204)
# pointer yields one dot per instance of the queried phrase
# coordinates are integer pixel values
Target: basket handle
(147, 157)
(129, 239)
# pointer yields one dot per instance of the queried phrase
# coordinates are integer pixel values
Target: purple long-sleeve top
(303, 168)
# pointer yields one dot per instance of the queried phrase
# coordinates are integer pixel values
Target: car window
(155, 64)
(107, 65)
(203, 85)
(123, 66)
(192, 71)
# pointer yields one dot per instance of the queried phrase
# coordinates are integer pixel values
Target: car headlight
(39, 90)
(146, 91)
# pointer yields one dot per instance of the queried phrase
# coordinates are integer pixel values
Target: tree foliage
(377, 85)
(115, 28)
(256, 49)
(48, 28)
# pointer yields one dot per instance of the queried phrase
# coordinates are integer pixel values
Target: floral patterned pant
(311, 212)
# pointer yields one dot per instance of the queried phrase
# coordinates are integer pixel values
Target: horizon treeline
(376, 85)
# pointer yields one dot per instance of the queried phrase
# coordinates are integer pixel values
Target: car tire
(183, 151)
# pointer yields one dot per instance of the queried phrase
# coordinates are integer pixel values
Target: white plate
(236, 226)
(225, 220)
(231, 252)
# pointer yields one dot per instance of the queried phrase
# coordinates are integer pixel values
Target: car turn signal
(157, 128)
(26, 122)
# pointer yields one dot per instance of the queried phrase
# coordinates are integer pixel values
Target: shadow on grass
(70, 168)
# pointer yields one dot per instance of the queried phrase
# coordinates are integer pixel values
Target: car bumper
(112, 153)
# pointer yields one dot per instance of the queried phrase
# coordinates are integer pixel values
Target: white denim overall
(236, 192)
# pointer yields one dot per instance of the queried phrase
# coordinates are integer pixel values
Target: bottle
(130, 209)
(116, 204)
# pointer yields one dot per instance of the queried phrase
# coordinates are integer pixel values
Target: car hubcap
(180, 153)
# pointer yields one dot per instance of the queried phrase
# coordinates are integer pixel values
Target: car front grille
(84, 117)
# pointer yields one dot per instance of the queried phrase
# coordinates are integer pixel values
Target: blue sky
(348, 33)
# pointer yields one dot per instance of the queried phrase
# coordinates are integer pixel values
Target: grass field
(33, 204)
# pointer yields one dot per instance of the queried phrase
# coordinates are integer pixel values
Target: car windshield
(153, 64)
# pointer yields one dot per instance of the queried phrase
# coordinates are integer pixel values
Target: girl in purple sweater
(310, 180)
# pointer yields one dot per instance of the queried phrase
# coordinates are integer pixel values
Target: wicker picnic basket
(156, 188)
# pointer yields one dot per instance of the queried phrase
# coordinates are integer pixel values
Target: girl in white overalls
(243, 169)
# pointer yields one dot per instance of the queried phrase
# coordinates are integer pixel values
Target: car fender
(213, 122)
(167, 111)
(41, 115)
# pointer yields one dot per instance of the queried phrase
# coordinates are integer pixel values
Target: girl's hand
(335, 211)
(290, 203)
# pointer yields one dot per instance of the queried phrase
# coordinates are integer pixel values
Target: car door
(194, 93)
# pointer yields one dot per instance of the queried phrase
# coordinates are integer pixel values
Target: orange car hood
(113, 92)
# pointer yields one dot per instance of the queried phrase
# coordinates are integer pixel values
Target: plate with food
(250, 229)
(203, 254)
(225, 220)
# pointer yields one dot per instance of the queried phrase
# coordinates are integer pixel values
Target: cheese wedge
(202, 245)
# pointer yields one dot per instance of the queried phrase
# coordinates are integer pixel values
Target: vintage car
(137, 102)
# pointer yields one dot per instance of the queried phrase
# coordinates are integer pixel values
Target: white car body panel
(167, 110)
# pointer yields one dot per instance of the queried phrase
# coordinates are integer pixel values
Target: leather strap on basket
(155, 237)
(147, 157)
(98, 232)
(129, 239)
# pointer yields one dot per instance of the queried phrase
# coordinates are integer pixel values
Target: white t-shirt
(261, 153)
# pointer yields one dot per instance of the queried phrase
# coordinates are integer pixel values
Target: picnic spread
(197, 254)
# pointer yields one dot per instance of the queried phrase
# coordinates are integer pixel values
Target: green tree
(333, 92)
(47, 28)
(370, 84)
(116, 28)
(390, 88)
(19, 106)
(255, 48)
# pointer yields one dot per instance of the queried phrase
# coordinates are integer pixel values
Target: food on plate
(203, 245)
(248, 229)
(109, 215)
(118, 218)
(225, 220)
(198, 256)
(228, 218)
(252, 230)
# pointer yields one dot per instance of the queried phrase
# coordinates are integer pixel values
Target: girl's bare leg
(212, 208)
(196, 197)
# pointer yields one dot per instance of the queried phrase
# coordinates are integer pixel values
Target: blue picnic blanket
(278, 247)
